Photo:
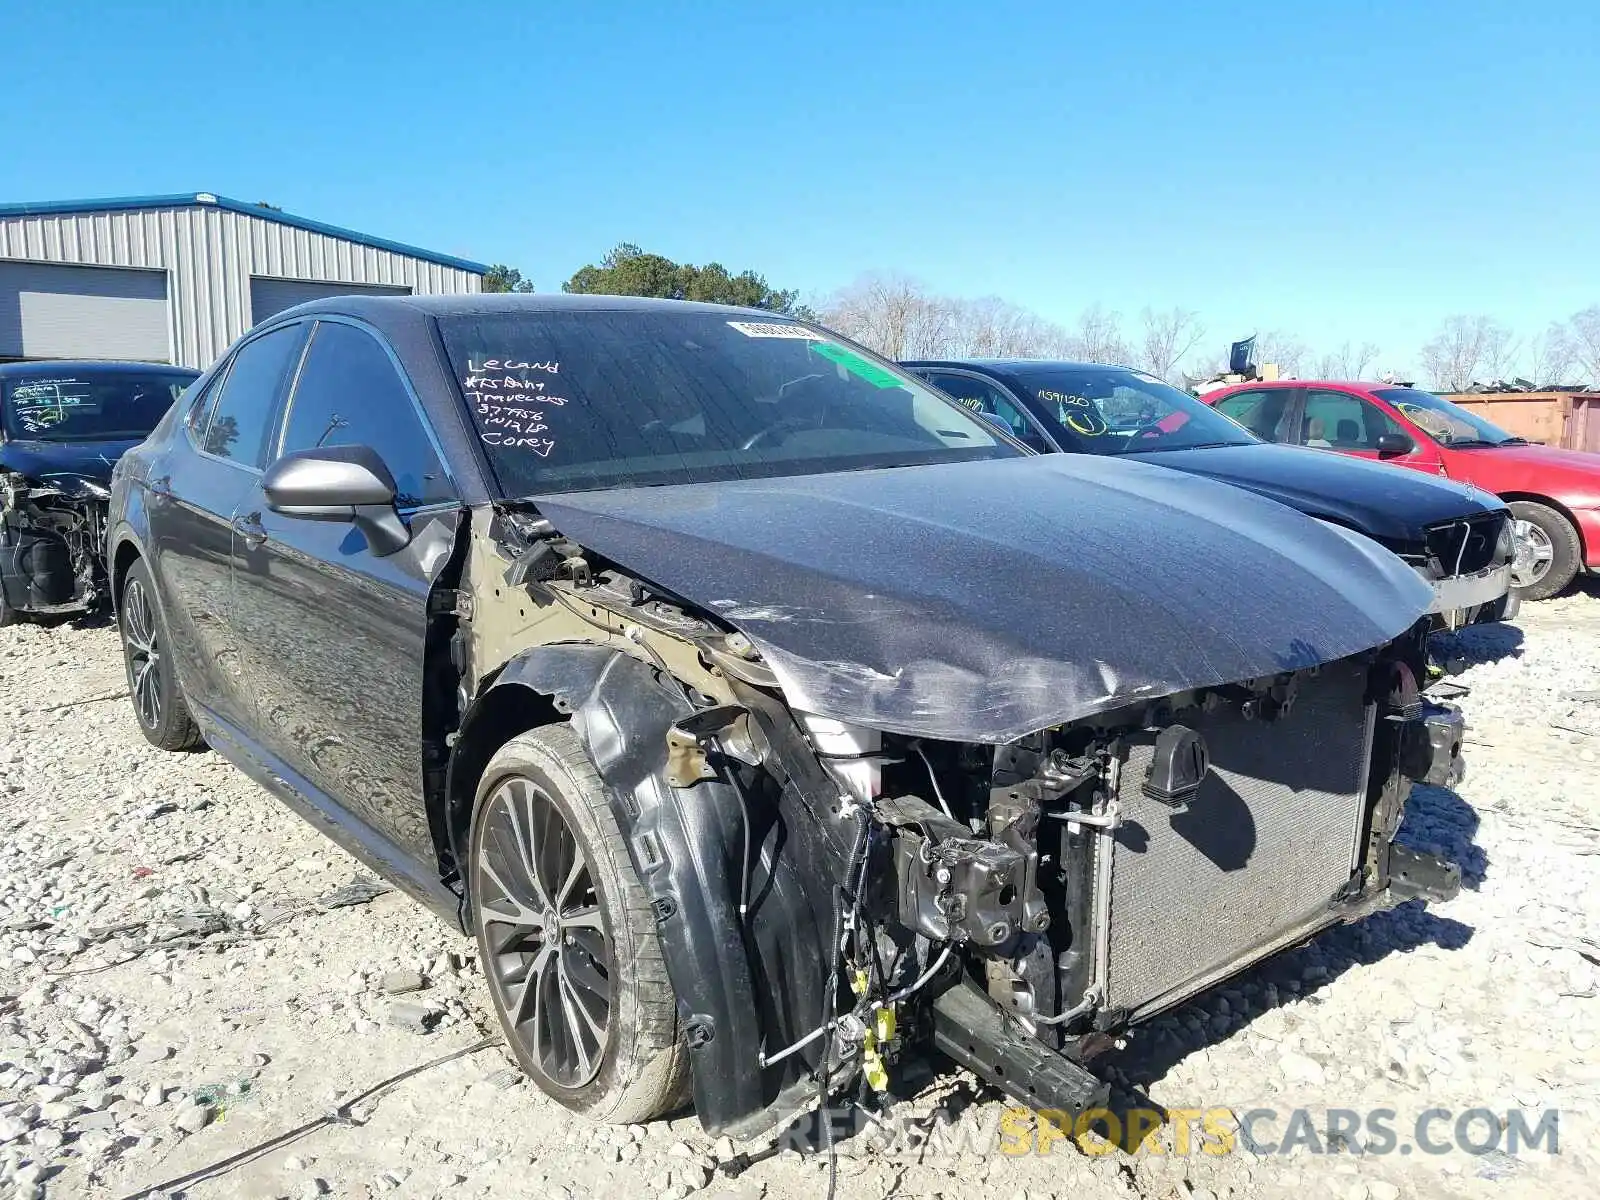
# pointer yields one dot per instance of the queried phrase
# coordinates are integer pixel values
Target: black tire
(1553, 533)
(158, 703)
(541, 802)
(8, 615)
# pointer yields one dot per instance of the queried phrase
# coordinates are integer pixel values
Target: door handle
(249, 527)
(161, 486)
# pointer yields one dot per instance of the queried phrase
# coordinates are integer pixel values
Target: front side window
(1446, 422)
(983, 396)
(349, 394)
(1342, 421)
(89, 407)
(571, 401)
(1112, 410)
(244, 412)
(1261, 412)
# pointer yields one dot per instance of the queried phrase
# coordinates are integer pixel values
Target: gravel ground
(177, 986)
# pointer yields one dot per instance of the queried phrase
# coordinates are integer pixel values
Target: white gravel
(172, 993)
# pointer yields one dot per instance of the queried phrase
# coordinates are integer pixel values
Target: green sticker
(861, 368)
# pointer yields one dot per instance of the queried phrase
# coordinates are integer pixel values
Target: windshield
(89, 407)
(1445, 422)
(1112, 410)
(573, 401)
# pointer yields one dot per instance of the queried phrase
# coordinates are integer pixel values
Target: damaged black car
(772, 722)
(63, 425)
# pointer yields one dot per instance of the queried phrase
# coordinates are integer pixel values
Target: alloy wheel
(551, 957)
(144, 653)
(1534, 553)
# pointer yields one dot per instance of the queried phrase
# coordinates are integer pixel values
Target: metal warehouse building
(176, 278)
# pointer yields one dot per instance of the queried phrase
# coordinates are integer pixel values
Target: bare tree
(992, 327)
(1347, 362)
(1548, 356)
(1453, 356)
(899, 318)
(1098, 338)
(893, 314)
(1285, 351)
(1167, 339)
(1585, 327)
(1500, 351)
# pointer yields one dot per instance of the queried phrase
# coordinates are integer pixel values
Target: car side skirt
(379, 854)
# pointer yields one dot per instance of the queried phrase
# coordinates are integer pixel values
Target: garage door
(48, 310)
(268, 296)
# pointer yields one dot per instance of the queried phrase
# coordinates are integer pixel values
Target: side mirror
(339, 483)
(1391, 445)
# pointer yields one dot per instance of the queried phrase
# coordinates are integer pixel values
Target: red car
(1553, 494)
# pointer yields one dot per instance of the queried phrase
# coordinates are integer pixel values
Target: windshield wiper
(1513, 441)
(1190, 446)
(1457, 443)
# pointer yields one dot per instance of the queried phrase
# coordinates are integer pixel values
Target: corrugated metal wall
(211, 253)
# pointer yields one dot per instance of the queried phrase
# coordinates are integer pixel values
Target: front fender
(742, 985)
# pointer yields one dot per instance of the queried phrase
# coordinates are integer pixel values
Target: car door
(1333, 419)
(208, 469)
(333, 634)
(988, 397)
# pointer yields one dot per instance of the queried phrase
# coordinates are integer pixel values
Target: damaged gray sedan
(770, 721)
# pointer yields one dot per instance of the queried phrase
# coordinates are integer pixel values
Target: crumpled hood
(1384, 502)
(85, 460)
(982, 601)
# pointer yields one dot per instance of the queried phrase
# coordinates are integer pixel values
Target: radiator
(1253, 861)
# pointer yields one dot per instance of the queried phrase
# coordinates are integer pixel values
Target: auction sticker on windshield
(775, 329)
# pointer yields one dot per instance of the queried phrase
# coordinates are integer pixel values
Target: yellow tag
(883, 1019)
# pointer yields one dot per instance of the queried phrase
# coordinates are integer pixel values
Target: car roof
(91, 366)
(1363, 384)
(380, 310)
(1014, 364)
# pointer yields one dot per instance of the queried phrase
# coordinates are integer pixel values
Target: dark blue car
(63, 426)
(1458, 538)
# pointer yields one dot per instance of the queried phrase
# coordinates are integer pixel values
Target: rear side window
(199, 413)
(1260, 412)
(349, 394)
(238, 428)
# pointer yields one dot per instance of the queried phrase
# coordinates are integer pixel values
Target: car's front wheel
(1548, 550)
(567, 937)
(158, 702)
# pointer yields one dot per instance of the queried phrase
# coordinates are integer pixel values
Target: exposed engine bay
(834, 900)
(52, 543)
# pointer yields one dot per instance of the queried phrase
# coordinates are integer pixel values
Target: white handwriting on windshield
(501, 401)
(508, 364)
(540, 446)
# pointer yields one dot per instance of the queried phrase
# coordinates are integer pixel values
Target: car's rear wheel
(158, 702)
(1548, 550)
(567, 937)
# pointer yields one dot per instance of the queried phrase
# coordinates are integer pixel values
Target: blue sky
(1343, 171)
